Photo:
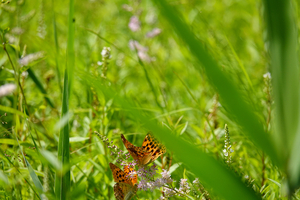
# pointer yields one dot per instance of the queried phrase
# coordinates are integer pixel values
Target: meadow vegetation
(215, 82)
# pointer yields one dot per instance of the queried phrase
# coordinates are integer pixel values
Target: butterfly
(125, 187)
(151, 149)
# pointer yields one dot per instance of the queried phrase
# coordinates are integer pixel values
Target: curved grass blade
(229, 95)
(204, 166)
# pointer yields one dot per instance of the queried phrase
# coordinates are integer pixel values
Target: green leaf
(12, 110)
(8, 141)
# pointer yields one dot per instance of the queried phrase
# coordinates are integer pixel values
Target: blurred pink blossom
(135, 45)
(141, 50)
(134, 24)
(127, 7)
(153, 33)
(7, 89)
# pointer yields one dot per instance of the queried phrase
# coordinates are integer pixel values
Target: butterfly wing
(138, 153)
(128, 191)
(118, 192)
(125, 188)
(151, 145)
(118, 174)
(131, 174)
(161, 150)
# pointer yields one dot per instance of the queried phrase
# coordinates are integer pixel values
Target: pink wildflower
(134, 24)
(153, 33)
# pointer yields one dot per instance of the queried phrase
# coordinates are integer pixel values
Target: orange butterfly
(150, 150)
(125, 187)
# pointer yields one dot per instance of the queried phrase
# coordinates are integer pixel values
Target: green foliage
(207, 66)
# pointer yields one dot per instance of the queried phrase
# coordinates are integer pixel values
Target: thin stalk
(56, 47)
(149, 82)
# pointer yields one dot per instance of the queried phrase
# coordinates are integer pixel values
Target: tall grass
(63, 182)
(200, 80)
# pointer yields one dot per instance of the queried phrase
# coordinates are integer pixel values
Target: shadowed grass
(285, 78)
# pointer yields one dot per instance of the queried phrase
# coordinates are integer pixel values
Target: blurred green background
(150, 64)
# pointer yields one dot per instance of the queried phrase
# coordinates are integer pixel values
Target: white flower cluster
(166, 176)
(148, 174)
(267, 75)
(106, 53)
(227, 146)
(167, 193)
(196, 181)
(184, 187)
(30, 58)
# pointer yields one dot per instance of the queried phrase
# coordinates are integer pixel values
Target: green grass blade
(40, 86)
(229, 95)
(204, 166)
(285, 75)
(63, 184)
(70, 45)
(35, 178)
